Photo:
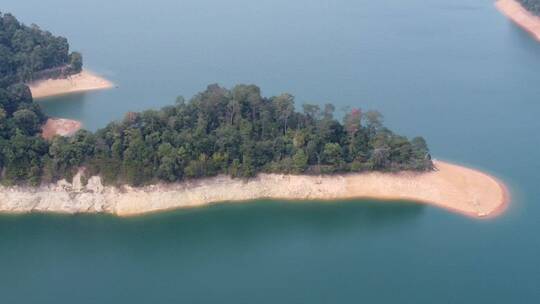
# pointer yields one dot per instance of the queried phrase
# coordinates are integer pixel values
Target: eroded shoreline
(60, 126)
(521, 16)
(452, 187)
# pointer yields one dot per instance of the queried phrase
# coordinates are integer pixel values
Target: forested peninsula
(28, 53)
(221, 145)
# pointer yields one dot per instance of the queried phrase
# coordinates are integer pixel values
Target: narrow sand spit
(453, 187)
(521, 16)
(456, 188)
(82, 82)
(60, 126)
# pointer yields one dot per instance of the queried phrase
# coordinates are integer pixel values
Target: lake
(457, 72)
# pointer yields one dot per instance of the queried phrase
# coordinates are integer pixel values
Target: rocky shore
(453, 187)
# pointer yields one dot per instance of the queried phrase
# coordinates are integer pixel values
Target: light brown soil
(60, 126)
(82, 82)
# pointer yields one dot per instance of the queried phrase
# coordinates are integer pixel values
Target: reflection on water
(521, 37)
(273, 217)
(236, 222)
(70, 106)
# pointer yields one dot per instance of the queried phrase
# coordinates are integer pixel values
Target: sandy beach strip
(82, 82)
(60, 126)
(456, 188)
(521, 16)
(453, 187)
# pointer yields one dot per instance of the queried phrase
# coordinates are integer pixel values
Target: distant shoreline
(520, 16)
(459, 189)
(82, 82)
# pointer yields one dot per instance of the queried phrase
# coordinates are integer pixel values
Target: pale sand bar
(460, 189)
(521, 16)
(60, 126)
(82, 82)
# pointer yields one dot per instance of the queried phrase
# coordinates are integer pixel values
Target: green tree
(76, 62)
(332, 153)
(300, 161)
(27, 121)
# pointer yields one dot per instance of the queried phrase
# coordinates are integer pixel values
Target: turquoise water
(456, 72)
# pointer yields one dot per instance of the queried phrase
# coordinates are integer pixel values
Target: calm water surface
(456, 72)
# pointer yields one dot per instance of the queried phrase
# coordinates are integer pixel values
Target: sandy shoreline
(456, 188)
(521, 16)
(452, 187)
(82, 82)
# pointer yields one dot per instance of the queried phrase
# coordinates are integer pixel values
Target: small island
(221, 145)
(525, 13)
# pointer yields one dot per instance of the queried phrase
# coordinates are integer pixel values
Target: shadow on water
(250, 222)
(273, 216)
(521, 37)
(70, 106)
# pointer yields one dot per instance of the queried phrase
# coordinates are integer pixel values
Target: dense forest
(29, 53)
(219, 131)
(531, 5)
(26, 53)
